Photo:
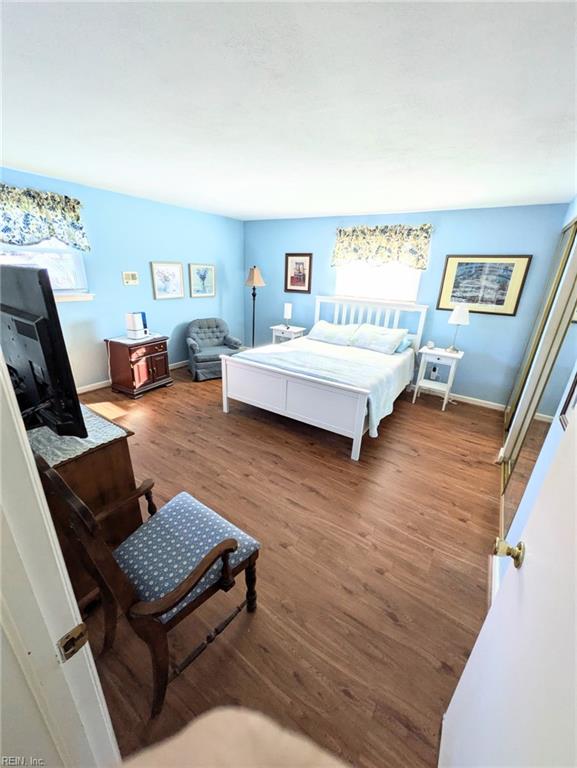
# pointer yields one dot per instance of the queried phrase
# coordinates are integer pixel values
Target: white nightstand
(281, 332)
(437, 356)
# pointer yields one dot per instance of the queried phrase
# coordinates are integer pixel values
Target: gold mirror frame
(565, 245)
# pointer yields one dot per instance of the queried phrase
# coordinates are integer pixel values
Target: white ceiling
(269, 110)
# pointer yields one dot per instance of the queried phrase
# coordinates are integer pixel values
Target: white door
(52, 711)
(515, 704)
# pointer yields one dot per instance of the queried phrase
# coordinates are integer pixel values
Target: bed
(342, 389)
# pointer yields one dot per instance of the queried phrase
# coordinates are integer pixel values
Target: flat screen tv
(35, 353)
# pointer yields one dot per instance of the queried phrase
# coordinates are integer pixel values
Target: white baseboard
(107, 382)
(483, 403)
(477, 401)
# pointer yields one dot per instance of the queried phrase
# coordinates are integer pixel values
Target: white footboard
(335, 407)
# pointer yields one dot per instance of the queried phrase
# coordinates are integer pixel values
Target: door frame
(39, 606)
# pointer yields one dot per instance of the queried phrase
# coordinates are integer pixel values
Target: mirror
(539, 426)
(562, 254)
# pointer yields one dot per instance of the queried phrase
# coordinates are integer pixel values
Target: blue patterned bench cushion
(165, 549)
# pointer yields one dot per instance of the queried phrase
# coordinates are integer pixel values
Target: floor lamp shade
(254, 280)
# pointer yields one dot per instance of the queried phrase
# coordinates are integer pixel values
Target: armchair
(175, 561)
(207, 339)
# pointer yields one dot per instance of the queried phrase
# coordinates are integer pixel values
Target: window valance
(383, 244)
(29, 216)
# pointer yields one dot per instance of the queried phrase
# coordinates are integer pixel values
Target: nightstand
(437, 356)
(281, 332)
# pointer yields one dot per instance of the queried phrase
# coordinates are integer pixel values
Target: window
(391, 282)
(65, 265)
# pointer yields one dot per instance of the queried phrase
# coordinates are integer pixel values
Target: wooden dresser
(98, 468)
(138, 366)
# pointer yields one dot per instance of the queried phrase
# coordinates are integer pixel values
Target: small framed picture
(489, 285)
(298, 272)
(167, 279)
(202, 280)
(130, 278)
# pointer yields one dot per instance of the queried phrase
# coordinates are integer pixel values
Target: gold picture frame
(489, 285)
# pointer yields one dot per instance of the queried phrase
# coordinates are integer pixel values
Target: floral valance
(383, 244)
(29, 216)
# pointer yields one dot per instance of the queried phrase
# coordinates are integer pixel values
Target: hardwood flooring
(372, 577)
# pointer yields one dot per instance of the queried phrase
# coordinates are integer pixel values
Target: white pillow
(385, 340)
(333, 333)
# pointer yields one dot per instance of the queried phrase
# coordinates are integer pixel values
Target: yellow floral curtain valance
(383, 244)
(28, 216)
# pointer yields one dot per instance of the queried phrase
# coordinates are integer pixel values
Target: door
(141, 372)
(515, 704)
(55, 710)
(159, 366)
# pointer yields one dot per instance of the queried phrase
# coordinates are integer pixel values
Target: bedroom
(269, 135)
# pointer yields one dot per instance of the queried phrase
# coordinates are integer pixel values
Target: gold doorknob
(503, 549)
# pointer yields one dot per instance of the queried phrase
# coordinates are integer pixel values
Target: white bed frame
(335, 407)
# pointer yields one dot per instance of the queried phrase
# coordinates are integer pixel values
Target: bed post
(224, 360)
(360, 420)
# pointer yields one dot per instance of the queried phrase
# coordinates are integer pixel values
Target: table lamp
(254, 281)
(459, 316)
(288, 313)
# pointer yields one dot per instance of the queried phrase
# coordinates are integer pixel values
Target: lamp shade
(459, 315)
(288, 310)
(254, 279)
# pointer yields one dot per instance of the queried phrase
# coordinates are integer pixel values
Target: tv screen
(35, 353)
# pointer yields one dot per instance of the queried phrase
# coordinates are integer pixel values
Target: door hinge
(72, 641)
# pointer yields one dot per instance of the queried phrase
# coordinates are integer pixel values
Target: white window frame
(389, 282)
(39, 255)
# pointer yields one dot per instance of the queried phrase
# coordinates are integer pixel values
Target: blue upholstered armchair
(207, 340)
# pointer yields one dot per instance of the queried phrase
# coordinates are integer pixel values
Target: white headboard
(387, 314)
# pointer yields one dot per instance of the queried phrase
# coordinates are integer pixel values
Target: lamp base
(452, 348)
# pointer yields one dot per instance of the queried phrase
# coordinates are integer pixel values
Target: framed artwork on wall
(202, 280)
(130, 278)
(167, 279)
(298, 272)
(490, 285)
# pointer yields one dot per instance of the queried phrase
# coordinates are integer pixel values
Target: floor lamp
(254, 281)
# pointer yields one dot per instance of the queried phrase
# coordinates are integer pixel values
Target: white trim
(106, 382)
(91, 387)
(63, 297)
(39, 606)
(482, 403)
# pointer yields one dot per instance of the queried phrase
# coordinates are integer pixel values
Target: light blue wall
(126, 233)
(571, 212)
(493, 345)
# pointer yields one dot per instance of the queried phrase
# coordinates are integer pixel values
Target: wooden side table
(136, 366)
(282, 332)
(437, 356)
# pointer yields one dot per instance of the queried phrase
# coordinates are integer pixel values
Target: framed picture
(167, 279)
(202, 280)
(130, 278)
(490, 285)
(298, 272)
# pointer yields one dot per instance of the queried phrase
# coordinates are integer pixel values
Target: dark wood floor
(372, 577)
